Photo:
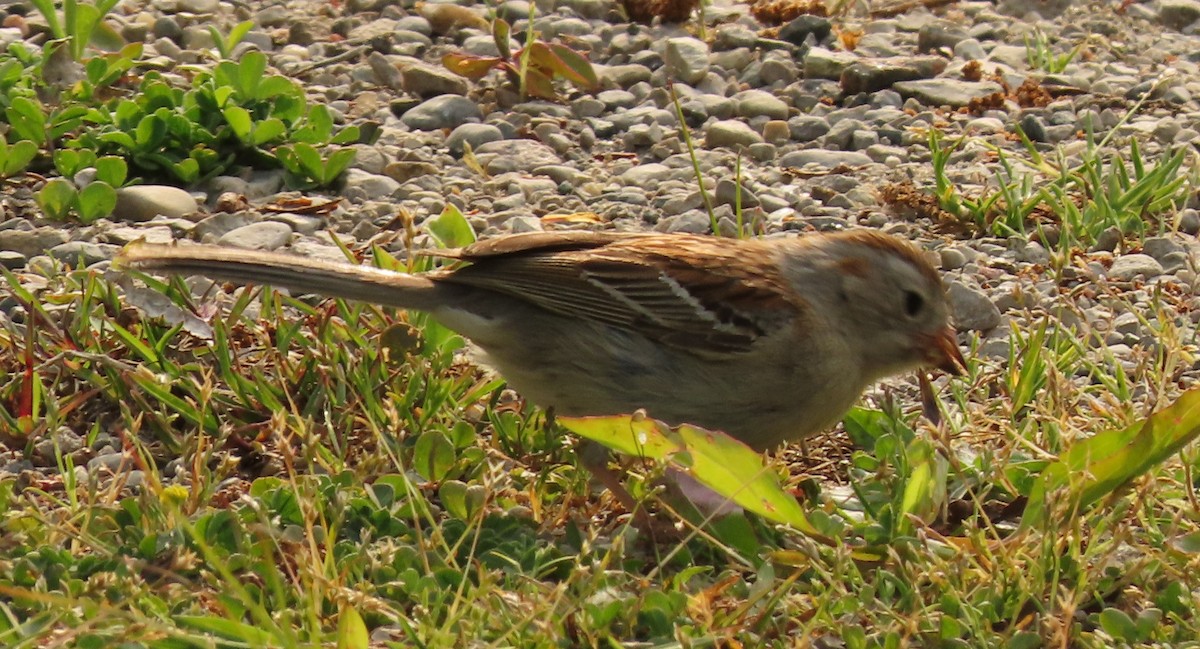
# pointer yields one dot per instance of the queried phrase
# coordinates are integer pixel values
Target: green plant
(79, 24)
(226, 43)
(306, 166)
(232, 116)
(1041, 56)
(532, 69)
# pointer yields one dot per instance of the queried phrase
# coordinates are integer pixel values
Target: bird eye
(913, 303)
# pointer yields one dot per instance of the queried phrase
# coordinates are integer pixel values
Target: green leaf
(336, 164)
(719, 461)
(228, 629)
(352, 631)
(27, 120)
(501, 32)
(57, 198)
(433, 455)
(321, 123)
(17, 157)
(150, 133)
(112, 170)
(268, 130)
(470, 66)
(186, 170)
(1118, 625)
(239, 120)
(250, 74)
(1095, 467)
(450, 228)
(96, 201)
(310, 161)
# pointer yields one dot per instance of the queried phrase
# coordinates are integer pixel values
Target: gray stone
(727, 194)
(30, 243)
(946, 92)
(1159, 247)
(942, 33)
(444, 111)
(515, 155)
(821, 63)
(1178, 14)
(368, 186)
(756, 103)
(730, 134)
(686, 59)
(952, 258)
(264, 235)
(425, 80)
(826, 159)
(803, 26)
(806, 128)
(474, 134)
(144, 202)
(972, 309)
(82, 253)
(1127, 267)
(647, 175)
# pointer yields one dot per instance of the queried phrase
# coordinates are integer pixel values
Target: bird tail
(293, 272)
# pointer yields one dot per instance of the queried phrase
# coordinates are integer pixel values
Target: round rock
(445, 111)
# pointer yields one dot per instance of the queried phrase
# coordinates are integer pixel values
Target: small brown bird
(767, 340)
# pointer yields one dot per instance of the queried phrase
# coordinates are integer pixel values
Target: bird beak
(942, 352)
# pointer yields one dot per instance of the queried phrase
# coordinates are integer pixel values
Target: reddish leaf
(471, 67)
(539, 85)
(580, 69)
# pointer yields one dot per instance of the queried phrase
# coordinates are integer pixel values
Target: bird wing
(703, 294)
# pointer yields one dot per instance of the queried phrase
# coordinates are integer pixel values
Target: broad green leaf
(26, 118)
(112, 170)
(351, 630)
(321, 123)
(433, 455)
(310, 161)
(469, 66)
(96, 201)
(239, 120)
(276, 86)
(719, 461)
(17, 157)
(268, 130)
(1095, 467)
(57, 198)
(450, 228)
(150, 132)
(336, 164)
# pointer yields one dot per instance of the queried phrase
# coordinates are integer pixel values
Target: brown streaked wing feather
(686, 291)
(531, 243)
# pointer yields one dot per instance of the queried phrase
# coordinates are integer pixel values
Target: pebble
(730, 134)
(266, 235)
(445, 111)
(144, 202)
(1127, 267)
(972, 309)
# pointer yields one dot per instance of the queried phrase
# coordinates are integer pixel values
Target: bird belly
(582, 369)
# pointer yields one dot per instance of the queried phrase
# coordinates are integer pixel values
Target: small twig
(344, 56)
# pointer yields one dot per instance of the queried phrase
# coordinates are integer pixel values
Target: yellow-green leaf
(720, 462)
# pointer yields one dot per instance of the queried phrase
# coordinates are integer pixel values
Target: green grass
(329, 488)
